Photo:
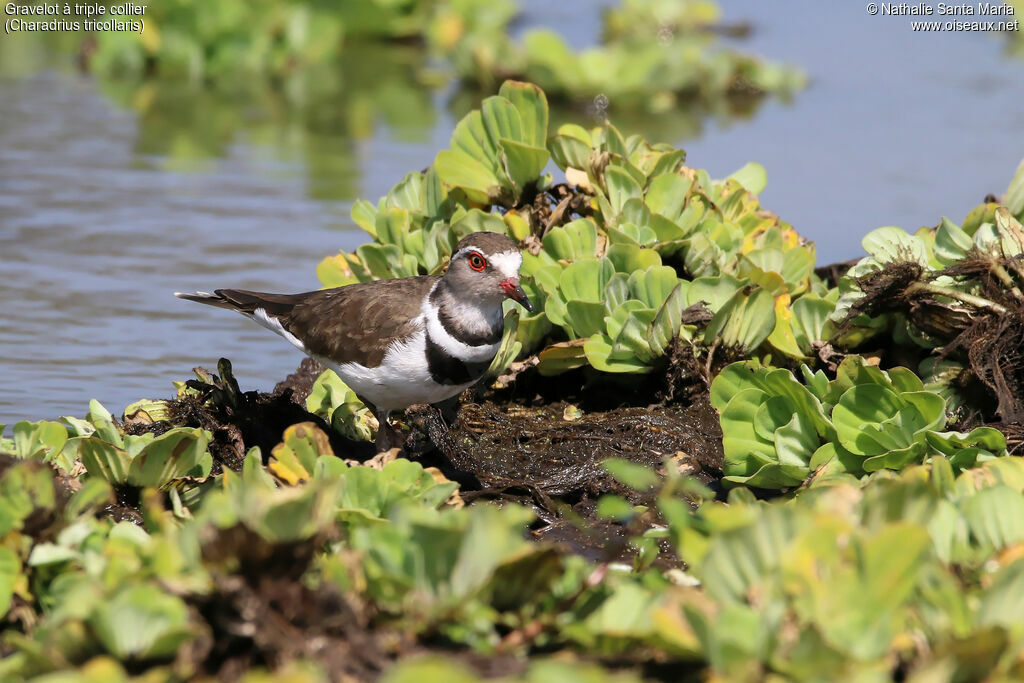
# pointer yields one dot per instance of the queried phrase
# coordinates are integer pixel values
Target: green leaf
(585, 279)
(630, 474)
(616, 292)
(102, 459)
(951, 243)
(892, 245)
(510, 348)
(471, 140)
(10, 572)
(987, 438)
(585, 317)
(810, 320)
(621, 187)
(752, 177)
(140, 622)
(523, 164)
(747, 553)
(364, 214)
(532, 105)
(407, 194)
(629, 258)
(745, 320)
(294, 459)
(42, 440)
(632, 339)
(653, 284)
(896, 458)
(615, 507)
(860, 614)
(1014, 199)
(569, 152)
(95, 494)
(457, 169)
(618, 317)
(713, 291)
(733, 379)
(393, 227)
(476, 220)
(668, 321)
(433, 194)
(932, 407)
(1002, 602)
(171, 455)
(995, 517)
(667, 194)
(383, 261)
(633, 230)
(770, 476)
(500, 120)
(863, 420)
(703, 257)
(794, 265)
(561, 357)
(796, 439)
(573, 241)
(746, 451)
(102, 420)
(429, 669)
(598, 352)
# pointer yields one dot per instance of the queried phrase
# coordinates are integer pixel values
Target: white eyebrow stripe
(466, 250)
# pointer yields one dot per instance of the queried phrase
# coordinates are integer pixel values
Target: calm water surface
(114, 196)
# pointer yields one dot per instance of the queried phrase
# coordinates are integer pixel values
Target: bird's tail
(244, 301)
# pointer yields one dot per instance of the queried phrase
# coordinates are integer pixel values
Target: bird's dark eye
(477, 262)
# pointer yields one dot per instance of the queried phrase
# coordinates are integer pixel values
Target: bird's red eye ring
(477, 262)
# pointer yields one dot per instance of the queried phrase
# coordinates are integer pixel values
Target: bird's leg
(387, 437)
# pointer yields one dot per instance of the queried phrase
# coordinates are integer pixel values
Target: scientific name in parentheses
(923, 9)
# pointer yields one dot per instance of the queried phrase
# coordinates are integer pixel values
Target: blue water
(896, 128)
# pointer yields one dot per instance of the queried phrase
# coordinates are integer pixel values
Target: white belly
(401, 380)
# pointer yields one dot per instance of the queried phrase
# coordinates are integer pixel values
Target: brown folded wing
(353, 324)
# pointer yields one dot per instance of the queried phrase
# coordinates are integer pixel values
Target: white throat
(474, 318)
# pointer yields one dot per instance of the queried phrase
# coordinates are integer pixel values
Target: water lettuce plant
(841, 581)
(615, 254)
(621, 320)
(185, 40)
(106, 451)
(845, 577)
(653, 54)
(778, 430)
(943, 275)
(1014, 198)
(950, 295)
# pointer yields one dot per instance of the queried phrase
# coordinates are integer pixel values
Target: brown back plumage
(354, 324)
(358, 323)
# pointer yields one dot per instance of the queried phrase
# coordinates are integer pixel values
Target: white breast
(401, 380)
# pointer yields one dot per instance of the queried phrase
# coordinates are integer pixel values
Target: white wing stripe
(273, 324)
